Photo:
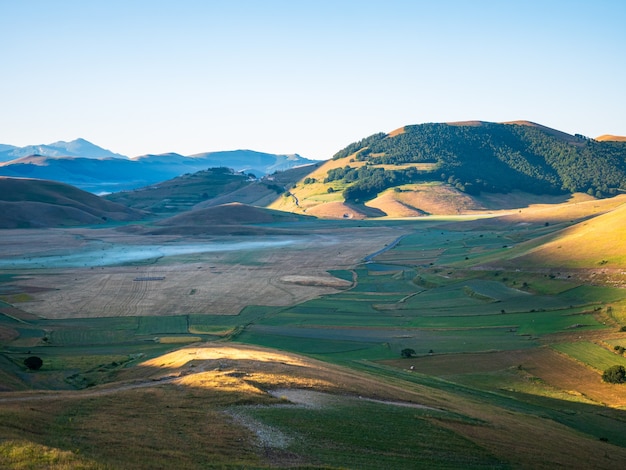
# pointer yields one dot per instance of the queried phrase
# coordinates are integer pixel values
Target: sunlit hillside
(598, 242)
(609, 137)
(453, 168)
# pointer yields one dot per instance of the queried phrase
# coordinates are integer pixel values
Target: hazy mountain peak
(83, 148)
(75, 148)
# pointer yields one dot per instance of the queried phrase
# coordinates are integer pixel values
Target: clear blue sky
(305, 77)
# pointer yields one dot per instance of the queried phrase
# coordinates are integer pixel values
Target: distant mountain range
(97, 170)
(74, 148)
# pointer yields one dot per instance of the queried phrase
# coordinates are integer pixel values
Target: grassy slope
(205, 403)
(40, 203)
(594, 243)
(599, 242)
(414, 200)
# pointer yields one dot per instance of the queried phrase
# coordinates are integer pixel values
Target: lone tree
(615, 375)
(407, 352)
(33, 362)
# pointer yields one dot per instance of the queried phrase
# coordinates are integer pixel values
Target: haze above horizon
(302, 77)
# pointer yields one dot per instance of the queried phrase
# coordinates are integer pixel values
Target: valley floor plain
(199, 355)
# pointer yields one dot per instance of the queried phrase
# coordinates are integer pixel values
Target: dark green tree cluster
(363, 143)
(495, 158)
(407, 352)
(369, 181)
(33, 362)
(615, 374)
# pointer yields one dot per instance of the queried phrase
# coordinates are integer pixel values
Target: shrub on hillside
(33, 362)
(615, 374)
(407, 352)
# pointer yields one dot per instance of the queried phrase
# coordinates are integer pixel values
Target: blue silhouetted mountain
(75, 148)
(97, 170)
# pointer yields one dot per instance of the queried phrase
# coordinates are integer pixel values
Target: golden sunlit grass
(253, 369)
(598, 242)
(336, 210)
(20, 454)
(400, 130)
(212, 353)
(616, 138)
(185, 423)
(181, 421)
(580, 206)
(430, 198)
(178, 339)
(388, 203)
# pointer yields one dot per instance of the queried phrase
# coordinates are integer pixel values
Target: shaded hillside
(183, 192)
(233, 218)
(263, 191)
(207, 188)
(482, 156)
(88, 174)
(26, 203)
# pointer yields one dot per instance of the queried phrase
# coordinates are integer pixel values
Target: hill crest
(460, 160)
(28, 203)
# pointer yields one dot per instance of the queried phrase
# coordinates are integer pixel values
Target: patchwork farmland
(498, 355)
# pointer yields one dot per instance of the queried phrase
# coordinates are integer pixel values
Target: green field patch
(90, 331)
(392, 340)
(301, 344)
(289, 318)
(617, 346)
(617, 311)
(594, 294)
(88, 336)
(429, 280)
(379, 268)
(83, 362)
(385, 283)
(531, 323)
(109, 323)
(159, 325)
(591, 354)
(445, 298)
(30, 332)
(408, 258)
(454, 300)
(492, 290)
(212, 323)
(542, 284)
(211, 330)
(329, 306)
(344, 274)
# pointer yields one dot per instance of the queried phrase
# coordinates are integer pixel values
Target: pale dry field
(272, 271)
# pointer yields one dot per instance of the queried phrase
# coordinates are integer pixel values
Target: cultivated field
(94, 273)
(297, 342)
